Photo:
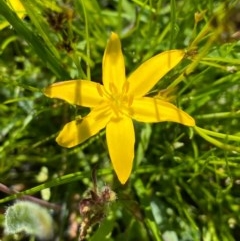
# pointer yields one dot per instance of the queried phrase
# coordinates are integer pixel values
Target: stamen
(100, 90)
(115, 110)
(130, 100)
(125, 87)
(113, 88)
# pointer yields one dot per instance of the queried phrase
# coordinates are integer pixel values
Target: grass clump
(184, 184)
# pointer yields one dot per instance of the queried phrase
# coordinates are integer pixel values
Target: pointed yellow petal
(78, 92)
(155, 110)
(120, 141)
(150, 72)
(77, 131)
(113, 65)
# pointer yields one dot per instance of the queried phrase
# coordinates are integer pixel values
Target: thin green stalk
(87, 40)
(144, 5)
(172, 23)
(204, 134)
(221, 115)
(55, 182)
(194, 45)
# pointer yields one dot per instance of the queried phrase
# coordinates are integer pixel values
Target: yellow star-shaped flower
(115, 103)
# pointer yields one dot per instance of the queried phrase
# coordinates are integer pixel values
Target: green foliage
(185, 182)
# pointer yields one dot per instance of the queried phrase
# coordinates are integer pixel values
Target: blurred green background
(185, 183)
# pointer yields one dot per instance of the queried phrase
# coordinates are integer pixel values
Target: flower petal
(17, 7)
(113, 65)
(155, 110)
(150, 72)
(120, 141)
(77, 131)
(79, 92)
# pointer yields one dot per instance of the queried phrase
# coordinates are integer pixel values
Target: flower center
(119, 100)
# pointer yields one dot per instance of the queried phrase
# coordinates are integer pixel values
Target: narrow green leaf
(38, 45)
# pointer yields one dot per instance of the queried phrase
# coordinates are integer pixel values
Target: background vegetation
(185, 182)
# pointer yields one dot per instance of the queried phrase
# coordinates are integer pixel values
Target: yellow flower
(18, 8)
(115, 103)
